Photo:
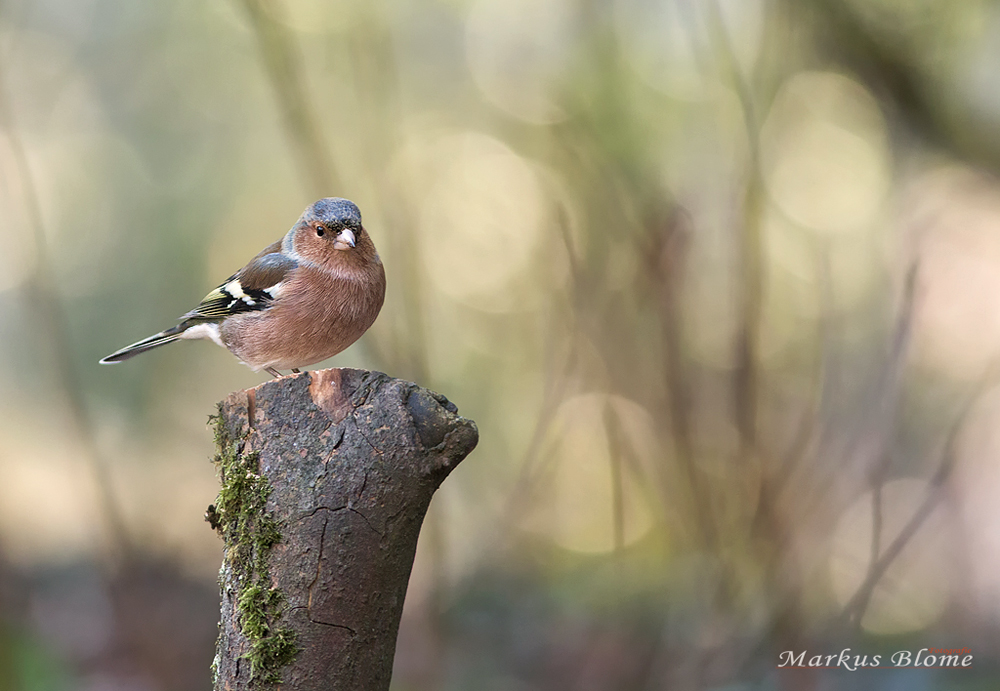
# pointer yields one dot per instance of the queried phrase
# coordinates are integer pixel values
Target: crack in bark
(331, 509)
(319, 564)
(391, 518)
(363, 436)
(319, 568)
(364, 484)
(324, 623)
(337, 435)
(251, 407)
(365, 518)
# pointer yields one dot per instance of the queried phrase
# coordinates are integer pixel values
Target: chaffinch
(303, 299)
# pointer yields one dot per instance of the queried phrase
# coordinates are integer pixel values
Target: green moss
(249, 532)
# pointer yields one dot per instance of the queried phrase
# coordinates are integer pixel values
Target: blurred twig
(750, 244)
(876, 545)
(809, 427)
(530, 467)
(887, 388)
(872, 422)
(558, 370)
(883, 461)
(615, 451)
(284, 68)
(46, 307)
(375, 87)
(668, 255)
(770, 530)
(855, 608)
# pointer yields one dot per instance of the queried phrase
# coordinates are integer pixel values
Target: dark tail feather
(155, 341)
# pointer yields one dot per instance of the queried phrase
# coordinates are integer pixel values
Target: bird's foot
(273, 372)
(296, 370)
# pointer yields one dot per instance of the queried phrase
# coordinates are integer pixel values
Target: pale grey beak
(345, 238)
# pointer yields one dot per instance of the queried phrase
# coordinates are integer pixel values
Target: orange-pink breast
(316, 315)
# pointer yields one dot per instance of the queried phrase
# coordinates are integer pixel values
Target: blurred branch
(872, 421)
(750, 250)
(876, 546)
(530, 466)
(770, 529)
(45, 305)
(375, 86)
(808, 428)
(786, 617)
(855, 608)
(410, 341)
(616, 451)
(558, 369)
(284, 68)
(521, 493)
(884, 461)
(668, 254)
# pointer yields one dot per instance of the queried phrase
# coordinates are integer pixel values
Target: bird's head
(329, 233)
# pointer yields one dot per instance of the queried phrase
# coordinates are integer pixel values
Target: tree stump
(326, 477)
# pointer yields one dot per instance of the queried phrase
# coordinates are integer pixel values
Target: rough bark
(326, 477)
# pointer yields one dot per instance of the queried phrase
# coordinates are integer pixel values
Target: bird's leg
(295, 370)
(273, 372)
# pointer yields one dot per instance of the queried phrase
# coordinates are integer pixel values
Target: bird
(302, 299)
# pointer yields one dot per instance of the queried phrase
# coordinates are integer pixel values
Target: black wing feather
(246, 290)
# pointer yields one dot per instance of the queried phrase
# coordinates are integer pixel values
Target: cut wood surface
(326, 477)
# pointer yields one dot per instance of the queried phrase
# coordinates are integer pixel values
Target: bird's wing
(251, 288)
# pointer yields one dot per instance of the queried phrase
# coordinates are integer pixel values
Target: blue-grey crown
(335, 212)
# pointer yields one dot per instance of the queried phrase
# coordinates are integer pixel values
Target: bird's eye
(320, 230)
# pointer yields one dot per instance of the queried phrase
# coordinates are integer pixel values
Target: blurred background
(719, 280)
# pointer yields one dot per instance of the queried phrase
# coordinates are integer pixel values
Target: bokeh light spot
(314, 16)
(481, 222)
(825, 159)
(953, 217)
(590, 436)
(516, 51)
(17, 261)
(669, 43)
